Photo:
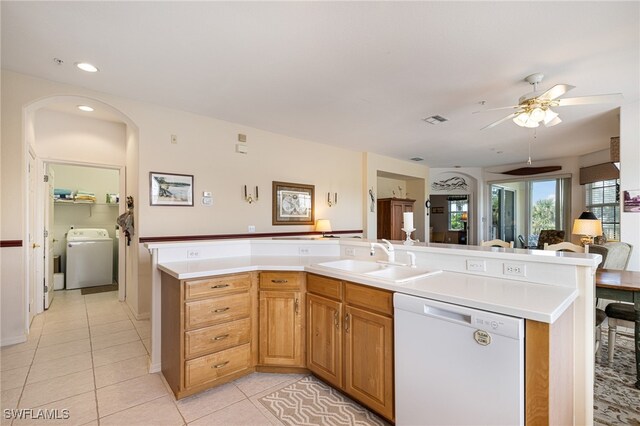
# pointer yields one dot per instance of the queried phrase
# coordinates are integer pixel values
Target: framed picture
(632, 201)
(293, 204)
(170, 189)
(437, 210)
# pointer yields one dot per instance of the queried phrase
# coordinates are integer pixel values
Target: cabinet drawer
(211, 367)
(200, 313)
(216, 286)
(217, 337)
(322, 286)
(369, 298)
(280, 280)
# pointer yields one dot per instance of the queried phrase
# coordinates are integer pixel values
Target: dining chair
(616, 256)
(550, 236)
(600, 315)
(497, 243)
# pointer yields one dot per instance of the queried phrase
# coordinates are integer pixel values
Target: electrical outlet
(476, 265)
(515, 269)
(350, 252)
(303, 251)
(251, 228)
(193, 254)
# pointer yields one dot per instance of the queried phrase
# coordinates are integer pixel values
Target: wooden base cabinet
(282, 319)
(207, 331)
(350, 340)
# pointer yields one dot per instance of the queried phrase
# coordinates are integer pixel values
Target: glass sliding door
(522, 208)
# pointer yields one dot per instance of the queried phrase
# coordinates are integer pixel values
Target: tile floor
(89, 355)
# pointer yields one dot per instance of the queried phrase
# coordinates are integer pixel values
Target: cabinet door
(324, 339)
(369, 359)
(281, 328)
(397, 209)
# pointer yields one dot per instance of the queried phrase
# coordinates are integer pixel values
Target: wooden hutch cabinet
(390, 217)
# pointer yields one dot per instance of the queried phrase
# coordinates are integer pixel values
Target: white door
(33, 258)
(48, 239)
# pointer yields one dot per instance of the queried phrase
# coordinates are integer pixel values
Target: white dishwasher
(456, 365)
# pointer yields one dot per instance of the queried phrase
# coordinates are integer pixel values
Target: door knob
(34, 245)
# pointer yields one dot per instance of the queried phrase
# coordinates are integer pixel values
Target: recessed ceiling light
(85, 108)
(85, 66)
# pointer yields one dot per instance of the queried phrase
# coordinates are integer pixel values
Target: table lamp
(323, 225)
(587, 225)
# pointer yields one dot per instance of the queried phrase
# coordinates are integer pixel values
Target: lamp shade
(323, 225)
(587, 224)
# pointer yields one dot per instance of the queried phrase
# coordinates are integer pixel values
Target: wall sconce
(428, 206)
(250, 198)
(331, 202)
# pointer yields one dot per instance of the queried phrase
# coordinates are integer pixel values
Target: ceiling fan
(535, 108)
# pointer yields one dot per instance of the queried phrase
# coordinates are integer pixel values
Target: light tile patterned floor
(88, 354)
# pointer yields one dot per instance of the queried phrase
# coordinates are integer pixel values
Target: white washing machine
(89, 258)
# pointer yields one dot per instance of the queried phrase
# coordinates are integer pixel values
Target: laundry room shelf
(74, 203)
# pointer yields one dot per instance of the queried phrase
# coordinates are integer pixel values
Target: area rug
(616, 400)
(99, 289)
(311, 402)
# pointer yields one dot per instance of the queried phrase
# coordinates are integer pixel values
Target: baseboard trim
(13, 340)
(141, 317)
(155, 368)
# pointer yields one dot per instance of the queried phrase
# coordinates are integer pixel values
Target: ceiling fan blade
(502, 120)
(595, 99)
(498, 109)
(556, 91)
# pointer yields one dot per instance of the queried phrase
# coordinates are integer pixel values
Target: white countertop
(539, 302)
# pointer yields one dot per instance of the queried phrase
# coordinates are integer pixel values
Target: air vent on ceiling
(417, 159)
(435, 119)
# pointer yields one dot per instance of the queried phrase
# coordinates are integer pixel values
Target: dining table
(623, 286)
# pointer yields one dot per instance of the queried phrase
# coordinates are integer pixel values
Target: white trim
(13, 340)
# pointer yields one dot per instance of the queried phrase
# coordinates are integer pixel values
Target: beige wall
(206, 149)
(372, 165)
(387, 187)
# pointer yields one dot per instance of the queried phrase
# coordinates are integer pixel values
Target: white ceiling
(356, 74)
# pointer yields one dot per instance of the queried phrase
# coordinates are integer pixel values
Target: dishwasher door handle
(432, 311)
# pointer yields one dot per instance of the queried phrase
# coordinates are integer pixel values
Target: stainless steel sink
(378, 271)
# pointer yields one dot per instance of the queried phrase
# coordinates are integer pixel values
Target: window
(603, 200)
(457, 206)
(520, 209)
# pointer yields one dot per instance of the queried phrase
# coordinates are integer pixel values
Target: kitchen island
(550, 294)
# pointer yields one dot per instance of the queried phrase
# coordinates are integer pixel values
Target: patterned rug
(311, 402)
(616, 400)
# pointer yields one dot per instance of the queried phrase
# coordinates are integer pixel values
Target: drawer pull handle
(217, 311)
(336, 322)
(220, 286)
(296, 306)
(220, 365)
(346, 323)
(224, 336)
(281, 281)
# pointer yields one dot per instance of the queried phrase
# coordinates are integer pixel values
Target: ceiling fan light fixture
(537, 114)
(549, 116)
(521, 119)
(531, 124)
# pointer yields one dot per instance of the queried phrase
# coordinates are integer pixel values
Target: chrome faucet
(388, 250)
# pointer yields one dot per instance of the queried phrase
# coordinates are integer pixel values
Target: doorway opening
(82, 244)
(396, 196)
(450, 217)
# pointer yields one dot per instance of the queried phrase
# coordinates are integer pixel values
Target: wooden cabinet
(390, 217)
(207, 331)
(282, 319)
(350, 340)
